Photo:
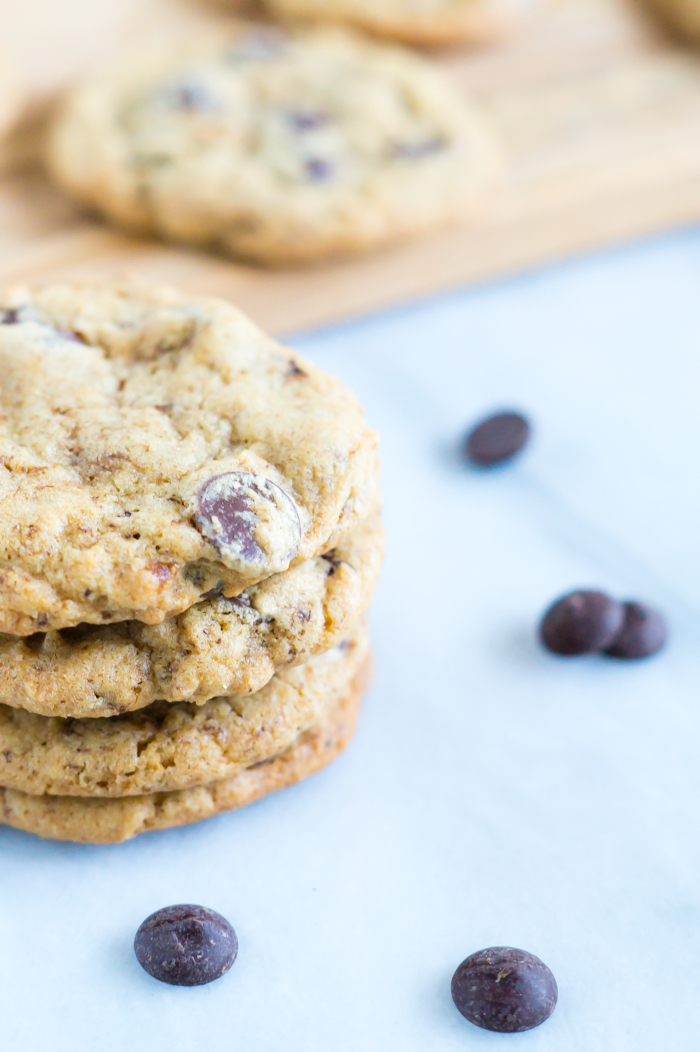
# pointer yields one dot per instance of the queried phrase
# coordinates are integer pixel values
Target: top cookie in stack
(157, 450)
(189, 512)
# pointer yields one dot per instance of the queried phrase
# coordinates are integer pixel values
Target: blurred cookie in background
(683, 16)
(428, 23)
(279, 146)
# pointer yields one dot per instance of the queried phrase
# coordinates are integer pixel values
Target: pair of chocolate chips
(590, 622)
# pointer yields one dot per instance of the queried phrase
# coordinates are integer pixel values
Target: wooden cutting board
(597, 110)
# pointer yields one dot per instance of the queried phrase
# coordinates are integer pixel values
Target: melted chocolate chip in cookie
(318, 170)
(249, 520)
(307, 120)
(186, 945)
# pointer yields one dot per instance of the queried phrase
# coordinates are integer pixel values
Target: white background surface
(493, 794)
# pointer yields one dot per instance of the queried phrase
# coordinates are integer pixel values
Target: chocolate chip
(333, 563)
(643, 633)
(71, 334)
(504, 989)
(241, 601)
(9, 316)
(213, 593)
(248, 519)
(186, 945)
(319, 170)
(581, 623)
(497, 439)
(294, 372)
(190, 95)
(161, 571)
(307, 120)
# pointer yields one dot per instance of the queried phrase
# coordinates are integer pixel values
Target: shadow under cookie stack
(190, 541)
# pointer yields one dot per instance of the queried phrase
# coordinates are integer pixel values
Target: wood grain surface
(597, 110)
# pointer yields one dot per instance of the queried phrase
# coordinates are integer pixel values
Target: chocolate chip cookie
(166, 747)
(156, 449)
(422, 22)
(108, 821)
(218, 647)
(278, 146)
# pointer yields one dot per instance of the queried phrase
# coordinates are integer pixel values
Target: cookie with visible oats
(218, 647)
(428, 23)
(109, 821)
(156, 448)
(179, 746)
(277, 146)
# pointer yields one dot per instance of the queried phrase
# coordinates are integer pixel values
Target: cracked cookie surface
(279, 146)
(422, 22)
(179, 746)
(218, 647)
(113, 821)
(155, 447)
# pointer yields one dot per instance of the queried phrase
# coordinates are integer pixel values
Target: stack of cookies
(189, 540)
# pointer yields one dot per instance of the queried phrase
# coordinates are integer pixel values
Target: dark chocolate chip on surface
(186, 945)
(497, 439)
(582, 622)
(504, 989)
(9, 316)
(643, 633)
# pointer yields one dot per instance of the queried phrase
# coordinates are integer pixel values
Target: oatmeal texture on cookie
(279, 146)
(156, 448)
(166, 747)
(218, 647)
